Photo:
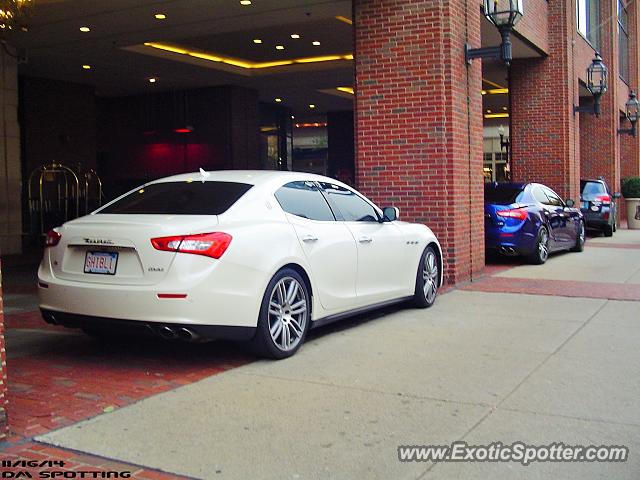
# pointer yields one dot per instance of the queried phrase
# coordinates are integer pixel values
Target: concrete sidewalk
(481, 367)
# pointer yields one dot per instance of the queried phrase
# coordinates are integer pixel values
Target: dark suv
(598, 205)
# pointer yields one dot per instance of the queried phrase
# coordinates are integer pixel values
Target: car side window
(304, 199)
(351, 206)
(554, 199)
(540, 196)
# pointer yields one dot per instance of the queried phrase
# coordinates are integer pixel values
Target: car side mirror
(617, 195)
(570, 203)
(390, 214)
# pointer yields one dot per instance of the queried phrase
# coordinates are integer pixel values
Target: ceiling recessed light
(86, 67)
(279, 47)
(315, 43)
(488, 110)
(278, 100)
(311, 105)
(160, 16)
(245, 2)
(152, 80)
(295, 35)
(85, 29)
(257, 40)
(293, 117)
(504, 108)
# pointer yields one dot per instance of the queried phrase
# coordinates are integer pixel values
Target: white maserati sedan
(247, 255)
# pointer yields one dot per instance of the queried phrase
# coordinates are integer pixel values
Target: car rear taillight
(53, 238)
(519, 213)
(603, 198)
(208, 244)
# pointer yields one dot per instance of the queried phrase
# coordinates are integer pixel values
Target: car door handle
(365, 239)
(309, 238)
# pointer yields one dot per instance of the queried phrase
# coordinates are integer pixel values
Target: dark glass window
(304, 200)
(352, 207)
(623, 40)
(588, 14)
(592, 188)
(540, 196)
(180, 198)
(554, 199)
(502, 194)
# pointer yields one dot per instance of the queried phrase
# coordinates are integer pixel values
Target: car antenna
(204, 174)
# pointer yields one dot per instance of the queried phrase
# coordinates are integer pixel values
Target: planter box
(633, 213)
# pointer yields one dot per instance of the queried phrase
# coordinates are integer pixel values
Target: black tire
(281, 291)
(427, 278)
(580, 239)
(540, 254)
(608, 231)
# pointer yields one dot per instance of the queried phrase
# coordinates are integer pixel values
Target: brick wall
(419, 120)
(3, 370)
(544, 130)
(534, 24)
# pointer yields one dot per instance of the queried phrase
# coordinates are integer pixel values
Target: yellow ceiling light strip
(345, 90)
(493, 84)
(496, 115)
(327, 58)
(498, 91)
(244, 63)
(167, 48)
(344, 19)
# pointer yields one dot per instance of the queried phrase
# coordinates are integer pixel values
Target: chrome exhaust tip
(187, 334)
(167, 333)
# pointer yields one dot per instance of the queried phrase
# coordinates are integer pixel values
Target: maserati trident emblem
(98, 241)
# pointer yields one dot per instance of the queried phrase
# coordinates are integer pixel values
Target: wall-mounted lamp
(597, 84)
(504, 14)
(631, 111)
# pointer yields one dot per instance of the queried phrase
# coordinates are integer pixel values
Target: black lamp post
(597, 84)
(632, 113)
(504, 14)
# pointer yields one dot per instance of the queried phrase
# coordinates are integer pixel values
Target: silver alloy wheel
(430, 277)
(543, 247)
(287, 313)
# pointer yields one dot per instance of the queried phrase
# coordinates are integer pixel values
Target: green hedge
(631, 187)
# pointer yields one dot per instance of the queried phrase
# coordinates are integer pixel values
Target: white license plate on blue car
(103, 263)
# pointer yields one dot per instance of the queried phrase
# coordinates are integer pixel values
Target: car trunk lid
(117, 249)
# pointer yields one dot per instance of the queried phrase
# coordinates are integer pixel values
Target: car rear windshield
(591, 188)
(180, 198)
(502, 195)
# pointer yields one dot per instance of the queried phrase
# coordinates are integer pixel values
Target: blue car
(531, 220)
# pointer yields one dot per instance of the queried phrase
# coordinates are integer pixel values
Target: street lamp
(631, 111)
(504, 14)
(597, 84)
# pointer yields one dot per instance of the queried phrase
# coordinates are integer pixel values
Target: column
(10, 174)
(419, 120)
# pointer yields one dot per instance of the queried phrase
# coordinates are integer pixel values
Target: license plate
(103, 263)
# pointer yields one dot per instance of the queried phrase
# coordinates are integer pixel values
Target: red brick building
(424, 120)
